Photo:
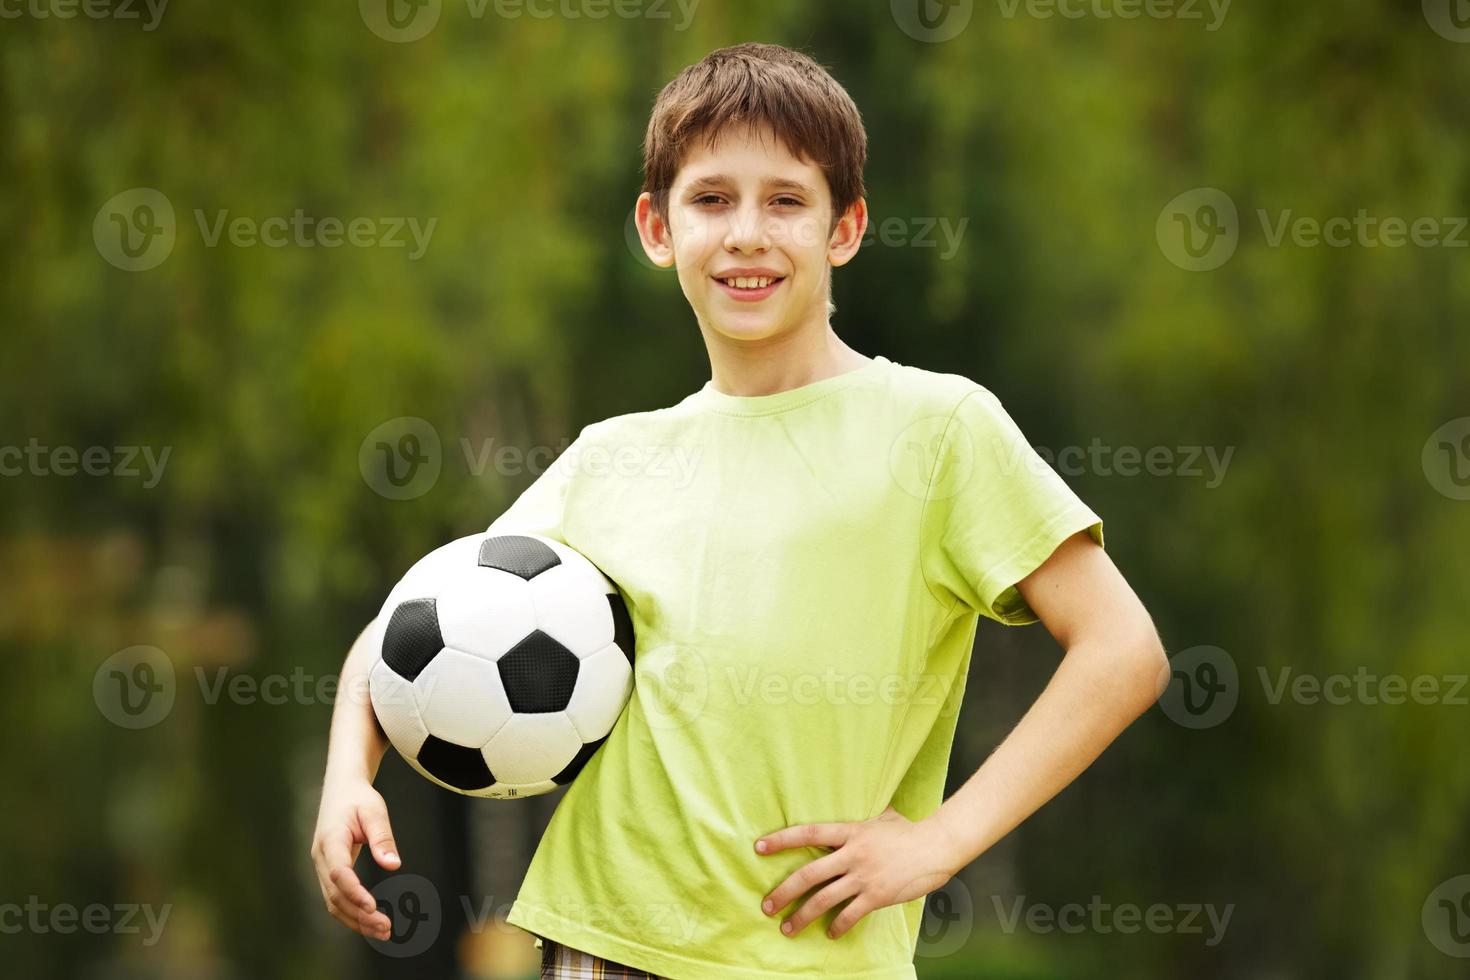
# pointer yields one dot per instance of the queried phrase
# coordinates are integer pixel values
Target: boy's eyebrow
(719, 180)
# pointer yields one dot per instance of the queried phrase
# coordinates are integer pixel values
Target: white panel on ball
(604, 684)
(461, 699)
(569, 611)
(397, 708)
(485, 612)
(532, 747)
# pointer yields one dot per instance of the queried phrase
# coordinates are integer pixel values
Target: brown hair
(758, 84)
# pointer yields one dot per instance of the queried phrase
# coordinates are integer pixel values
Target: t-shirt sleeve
(540, 508)
(994, 511)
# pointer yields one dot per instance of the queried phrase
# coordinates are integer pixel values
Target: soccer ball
(502, 663)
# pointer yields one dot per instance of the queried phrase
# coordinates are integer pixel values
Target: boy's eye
(716, 199)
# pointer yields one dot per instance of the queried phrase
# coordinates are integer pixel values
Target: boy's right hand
(352, 814)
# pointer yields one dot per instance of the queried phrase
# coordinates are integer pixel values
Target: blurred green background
(1106, 219)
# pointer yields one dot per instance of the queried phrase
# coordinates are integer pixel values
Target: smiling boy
(805, 602)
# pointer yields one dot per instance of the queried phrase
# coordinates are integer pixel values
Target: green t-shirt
(805, 571)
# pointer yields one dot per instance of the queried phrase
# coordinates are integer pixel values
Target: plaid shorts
(560, 962)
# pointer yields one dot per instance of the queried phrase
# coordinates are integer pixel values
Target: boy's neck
(780, 364)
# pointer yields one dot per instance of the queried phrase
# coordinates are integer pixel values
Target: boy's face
(744, 206)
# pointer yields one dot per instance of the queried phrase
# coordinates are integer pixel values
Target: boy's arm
(352, 812)
(1113, 670)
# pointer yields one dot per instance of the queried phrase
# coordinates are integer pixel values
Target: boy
(804, 593)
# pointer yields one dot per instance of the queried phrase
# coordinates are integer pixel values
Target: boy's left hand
(883, 861)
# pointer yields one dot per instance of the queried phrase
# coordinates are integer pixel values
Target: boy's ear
(847, 237)
(658, 242)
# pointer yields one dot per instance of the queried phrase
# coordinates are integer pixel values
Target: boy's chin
(749, 329)
(755, 325)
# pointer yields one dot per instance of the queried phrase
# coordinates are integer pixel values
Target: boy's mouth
(749, 289)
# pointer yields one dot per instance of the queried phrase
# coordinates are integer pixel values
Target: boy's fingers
(380, 837)
(376, 925)
(352, 890)
(340, 909)
(337, 855)
(337, 850)
(804, 835)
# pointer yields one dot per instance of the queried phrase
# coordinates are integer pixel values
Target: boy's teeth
(744, 282)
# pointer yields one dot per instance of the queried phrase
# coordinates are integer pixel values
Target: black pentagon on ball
(411, 638)
(517, 554)
(538, 674)
(460, 767)
(575, 766)
(622, 625)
